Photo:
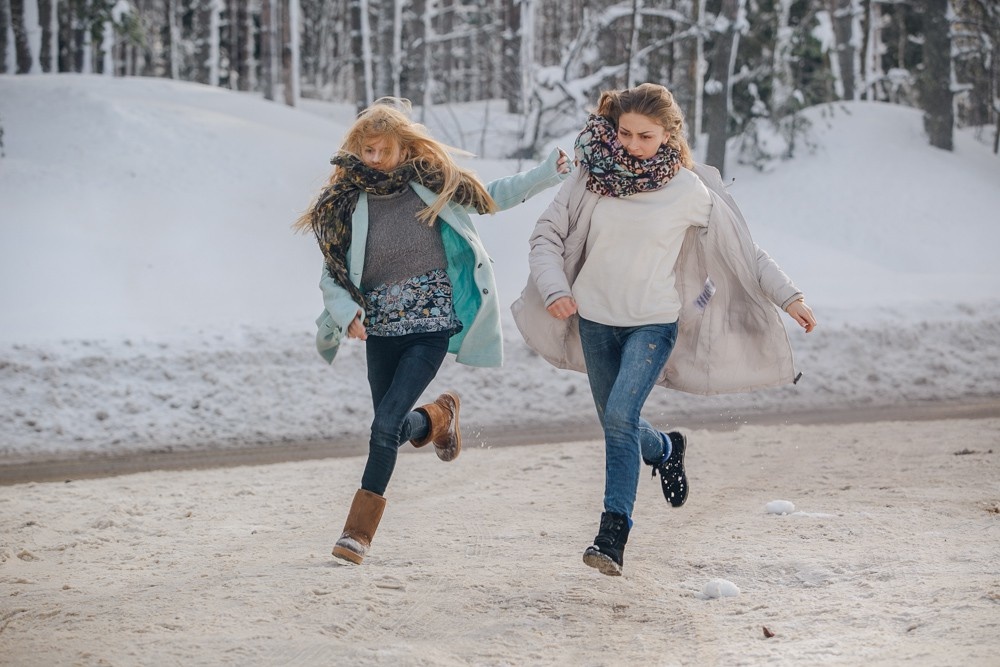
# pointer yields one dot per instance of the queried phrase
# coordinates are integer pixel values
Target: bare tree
(631, 61)
(50, 35)
(362, 51)
(427, 52)
(290, 51)
(935, 80)
(976, 62)
(269, 48)
(382, 51)
(872, 71)
(173, 39)
(5, 26)
(719, 93)
(846, 24)
(202, 32)
(510, 70)
(22, 52)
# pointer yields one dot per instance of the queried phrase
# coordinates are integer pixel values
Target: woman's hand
(562, 307)
(356, 329)
(802, 314)
(564, 165)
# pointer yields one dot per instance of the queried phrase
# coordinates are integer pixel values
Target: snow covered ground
(154, 298)
(890, 558)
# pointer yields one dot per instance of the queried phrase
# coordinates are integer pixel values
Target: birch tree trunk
(781, 79)
(382, 49)
(872, 70)
(290, 51)
(269, 48)
(397, 48)
(174, 36)
(361, 51)
(527, 53)
(697, 75)
(445, 54)
(246, 70)
(84, 40)
(367, 56)
(428, 97)
(107, 49)
(232, 43)
(214, 18)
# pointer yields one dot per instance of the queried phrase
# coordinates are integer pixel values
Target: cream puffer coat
(737, 343)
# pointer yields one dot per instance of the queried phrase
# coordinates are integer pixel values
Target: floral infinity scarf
(333, 210)
(615, 173)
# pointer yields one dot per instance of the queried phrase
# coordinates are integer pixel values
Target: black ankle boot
(673, 478)
(609, 546)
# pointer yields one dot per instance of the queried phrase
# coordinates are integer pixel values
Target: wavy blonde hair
(389, 118)
(654, 102)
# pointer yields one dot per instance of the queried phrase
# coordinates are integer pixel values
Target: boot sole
(444, 454)
(348, 555)
(602, 562)
(677, 497)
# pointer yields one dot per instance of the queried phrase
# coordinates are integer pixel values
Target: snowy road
(86, 466)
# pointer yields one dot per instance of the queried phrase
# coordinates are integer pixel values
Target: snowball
(720, 588)
(780, 507)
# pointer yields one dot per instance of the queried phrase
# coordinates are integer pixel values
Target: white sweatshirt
(633, 244)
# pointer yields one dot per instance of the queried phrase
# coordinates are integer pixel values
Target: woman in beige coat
(643, 272)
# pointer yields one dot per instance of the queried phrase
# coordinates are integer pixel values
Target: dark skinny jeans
(400, 368)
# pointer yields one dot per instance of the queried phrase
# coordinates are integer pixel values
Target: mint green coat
(470, 270)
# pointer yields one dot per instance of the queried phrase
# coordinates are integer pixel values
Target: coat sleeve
(331, 324)
(338, 301)
(547, 242)
(510, 191)
(776, 284)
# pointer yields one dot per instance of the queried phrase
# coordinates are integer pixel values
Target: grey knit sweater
(399, 245)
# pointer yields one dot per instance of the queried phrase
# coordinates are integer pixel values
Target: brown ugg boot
(443, 430)
(359, 529)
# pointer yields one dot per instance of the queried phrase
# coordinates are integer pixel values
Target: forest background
(743, 68)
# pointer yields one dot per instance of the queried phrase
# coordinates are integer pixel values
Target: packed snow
(477, 562)
(155, 298)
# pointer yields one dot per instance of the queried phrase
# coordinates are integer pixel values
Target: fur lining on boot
(350, 549)
(359, 529)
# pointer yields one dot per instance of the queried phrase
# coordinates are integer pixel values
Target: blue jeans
(399, 369)
(623, 364)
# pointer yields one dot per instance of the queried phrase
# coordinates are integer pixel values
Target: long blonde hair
(654, 102)
(388, 118)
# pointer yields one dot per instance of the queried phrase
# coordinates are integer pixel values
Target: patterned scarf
(615, 173)
(332, 213)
